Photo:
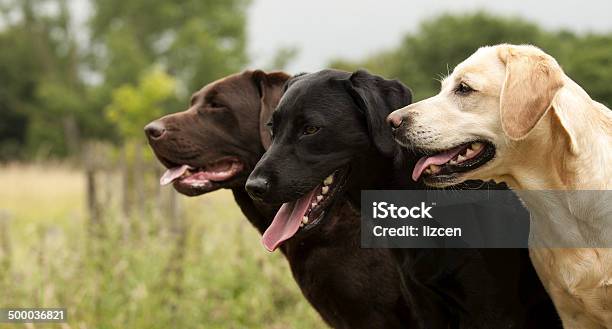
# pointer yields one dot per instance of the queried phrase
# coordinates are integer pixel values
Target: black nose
(155, 129)
(257, 187)
(395, 120)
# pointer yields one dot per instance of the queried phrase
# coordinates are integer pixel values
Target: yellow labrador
(509, 113)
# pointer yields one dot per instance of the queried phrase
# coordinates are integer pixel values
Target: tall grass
(206, 269)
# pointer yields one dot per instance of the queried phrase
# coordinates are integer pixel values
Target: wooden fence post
(5, 246)
(92, 195)
(125, 182)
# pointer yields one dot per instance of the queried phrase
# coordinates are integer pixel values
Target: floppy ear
(532, 81)
(270, 86)
(376, 98)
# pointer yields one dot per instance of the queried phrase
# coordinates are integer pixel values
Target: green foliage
(54, 90)
(17, 73)
(282, 58)
(589, 62)
(429, 54)
(197, 40)
(212, 274)
(35, 51)
(133, 106)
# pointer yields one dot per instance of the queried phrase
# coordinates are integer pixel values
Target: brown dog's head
(219, 139)
(486, 122)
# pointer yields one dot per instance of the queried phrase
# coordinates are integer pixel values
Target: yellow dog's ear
(532, 81)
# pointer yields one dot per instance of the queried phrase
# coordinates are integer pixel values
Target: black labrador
(330, 141)
(216, 144)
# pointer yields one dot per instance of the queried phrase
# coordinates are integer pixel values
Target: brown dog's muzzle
(155, 130)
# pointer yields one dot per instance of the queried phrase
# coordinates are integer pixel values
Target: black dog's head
(324, 123)
(218, 140)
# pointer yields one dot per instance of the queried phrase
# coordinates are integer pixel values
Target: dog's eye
(270, 125)
(309, 130)
(214, 104)
(463, 88)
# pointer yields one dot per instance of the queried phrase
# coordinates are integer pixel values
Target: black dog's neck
(257, 213)
(374, 171)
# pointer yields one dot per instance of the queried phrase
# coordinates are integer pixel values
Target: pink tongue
(438, 159)
(173, 173)
(286, 222)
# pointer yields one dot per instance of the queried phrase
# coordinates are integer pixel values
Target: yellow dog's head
(480, 124)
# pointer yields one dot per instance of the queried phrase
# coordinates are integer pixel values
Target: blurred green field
(212, 274)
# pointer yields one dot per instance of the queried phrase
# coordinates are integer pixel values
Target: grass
(211, 272)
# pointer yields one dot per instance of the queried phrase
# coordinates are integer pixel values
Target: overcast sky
(326, 29)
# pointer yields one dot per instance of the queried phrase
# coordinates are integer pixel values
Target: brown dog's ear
(532, 81)
(270, 86)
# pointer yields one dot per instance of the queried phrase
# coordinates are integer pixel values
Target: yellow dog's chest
(579, 280)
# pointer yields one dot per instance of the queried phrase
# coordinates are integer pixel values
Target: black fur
(350, 287)
(446, 288)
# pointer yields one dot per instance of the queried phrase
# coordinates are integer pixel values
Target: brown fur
(350, 287)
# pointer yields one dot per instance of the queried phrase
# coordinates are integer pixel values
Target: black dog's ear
(377, 97)
(292, 80)
(270, 86)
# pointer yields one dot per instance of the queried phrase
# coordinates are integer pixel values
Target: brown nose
(394, 119)
(155, 129)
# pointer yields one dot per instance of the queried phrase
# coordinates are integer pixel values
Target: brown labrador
(217, 142)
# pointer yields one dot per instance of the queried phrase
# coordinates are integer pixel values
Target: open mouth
(202, 179)
(446, 165)
(306, 212)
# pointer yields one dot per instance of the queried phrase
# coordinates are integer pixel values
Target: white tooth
(329, 179)
(314, 204)
(476, 146)
(469, 153)
(428, 171)
(305, 220)
(324, 190)
(453, 162)
(319, 198)
(460, 158)
(434, 168)
(301, 224)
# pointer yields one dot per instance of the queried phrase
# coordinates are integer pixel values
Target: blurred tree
(17, 87)
(429, 54)
(588, 61)
(39, 66)
(53, 89)
(188, 43)
(133, 106)
(196, 40)
(282, 58)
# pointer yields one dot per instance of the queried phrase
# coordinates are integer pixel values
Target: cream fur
(549, 135)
